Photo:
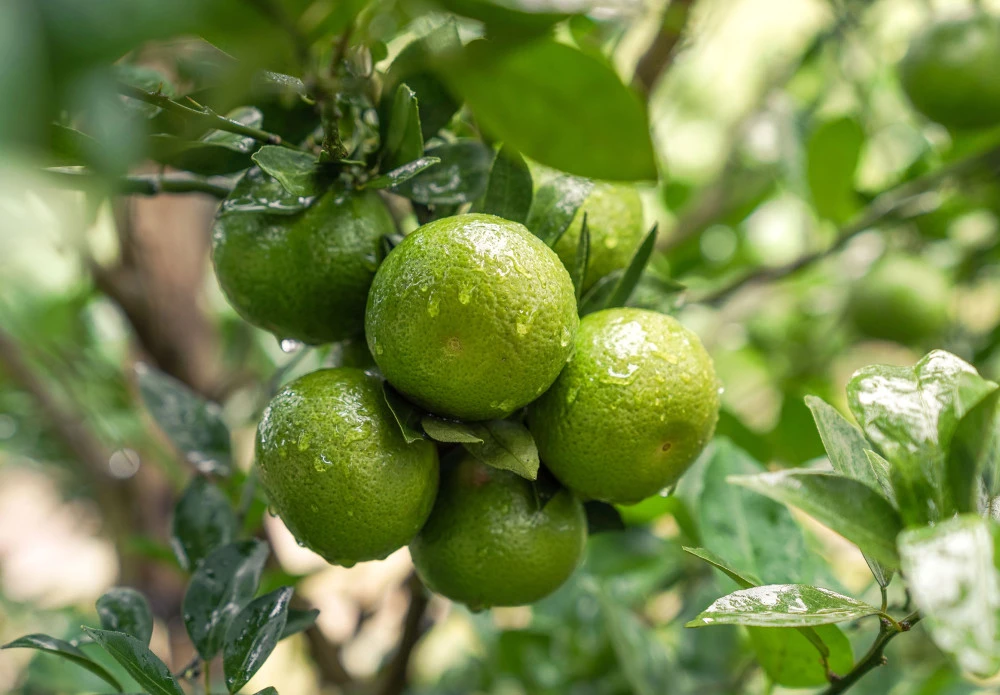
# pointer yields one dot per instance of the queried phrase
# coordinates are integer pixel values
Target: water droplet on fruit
(304, 443)
(571, 396)
(464, 295)
(611, 242)
(322, 464)
(433, 306)
(272, 511)
(522, 329)
(299, 543)
(288, 345)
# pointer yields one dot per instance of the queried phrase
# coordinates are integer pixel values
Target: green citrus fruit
(471, 316)
(491, 541)
(303, 277)
(634, 407)
(902, 298)
(615, 223)
(949, 72)
(338, 471)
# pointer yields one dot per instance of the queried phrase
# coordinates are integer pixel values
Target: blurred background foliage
(779, 126)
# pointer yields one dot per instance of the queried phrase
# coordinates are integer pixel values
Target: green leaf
(850, 508)
(596, 298)
(450, 431)
(299, 621)
(294, 170)
(790, 659)
(555, 205)
(507, 445)
(509, 18)
(134, 656)
(258, 192)
(783, 605)
(122, 609)
(269, 690)
(630, 278)
(602, 517)
(401, 174)
(221, 586)
(216, 153)
(509, 191)
(832, 155)
(951, 570)
(203, 521)
(643, 659)
(538, 111)
(253, 635)
(146, 78)
(406, 414)
(742, 579)
(193, 424)
(883, 472)
(579, 269)
(911, 415)
(971, 447)
(460, 177)
(67, 651)
(403, 141)
(848, 451)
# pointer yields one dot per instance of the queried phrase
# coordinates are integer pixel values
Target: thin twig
(394, 674)
(875, 656)
(885, 207)
(144, 184)
(205, 117)
(660, 54)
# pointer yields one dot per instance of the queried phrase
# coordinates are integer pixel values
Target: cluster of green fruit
(473, 319)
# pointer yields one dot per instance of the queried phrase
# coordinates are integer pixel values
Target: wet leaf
(193, 424)
(221, 586)
(783, 605)
(633, 272)
(450, 431)
(596, 298)
(555, 205)
(294, 170)
(460, 177)
(952, 573)
(203, 521)
(402, 173)
(122, 609)
(847, 506)
(259, 192)
(509, 191)
(215, 153)
(407, 415)
(832, 155)
(507, 445)
(403, 141)
(299, 621)
(579, 269)
(59, 647)
(537, 111)
(742, 579)
(143, 665)
(253, 635)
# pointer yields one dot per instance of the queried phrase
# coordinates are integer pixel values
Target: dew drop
(522, 329)
(313, 508)
(464, 295)
(322, 464)
(299, 543)
(288, 345)
(433, 307)
(564, 337)
(272, 511)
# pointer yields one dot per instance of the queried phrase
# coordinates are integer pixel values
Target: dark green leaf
(579, 270)
(258, 192)
(122, 609)
(507, 445)
(883, 472)
(269, 690)
(146, 78)
(951, 571)
(537, 111)
(850, 508)
(294, 170)
(221, 586)
(193, 424)
(555, 205)
(217, 152)
(596, 298)
(67, 651)
(143, 665)
(253, 635)
(509, 191)
(299, 621)
(460, 177)
(911, 415)
(832, 155)
(450, 431)
(403, 173)
(783, 605)
(742, 579)
(971, 446)
(790, 659)
(407, 415)
(203, 521)
(602, 517)
(403, 141)
(630, 278)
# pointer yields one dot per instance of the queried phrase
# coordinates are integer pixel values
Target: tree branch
(143, 184)
(394, 674)
(875, 656)
(205, 117)
(886, 206)
(660, 54)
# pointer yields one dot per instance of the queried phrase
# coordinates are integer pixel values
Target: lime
(634, 407)
(492, 541)
(303, 277)
(337, 469)
(615, 223)
(949, 72)
(902, 298)
(471, 317)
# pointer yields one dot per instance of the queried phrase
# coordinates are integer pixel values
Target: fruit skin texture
(471, 317)
(615, 221)
(634, 407)
(306, 276)
(902, 298)
(488, 544)
(949, 73)
(337, 470)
